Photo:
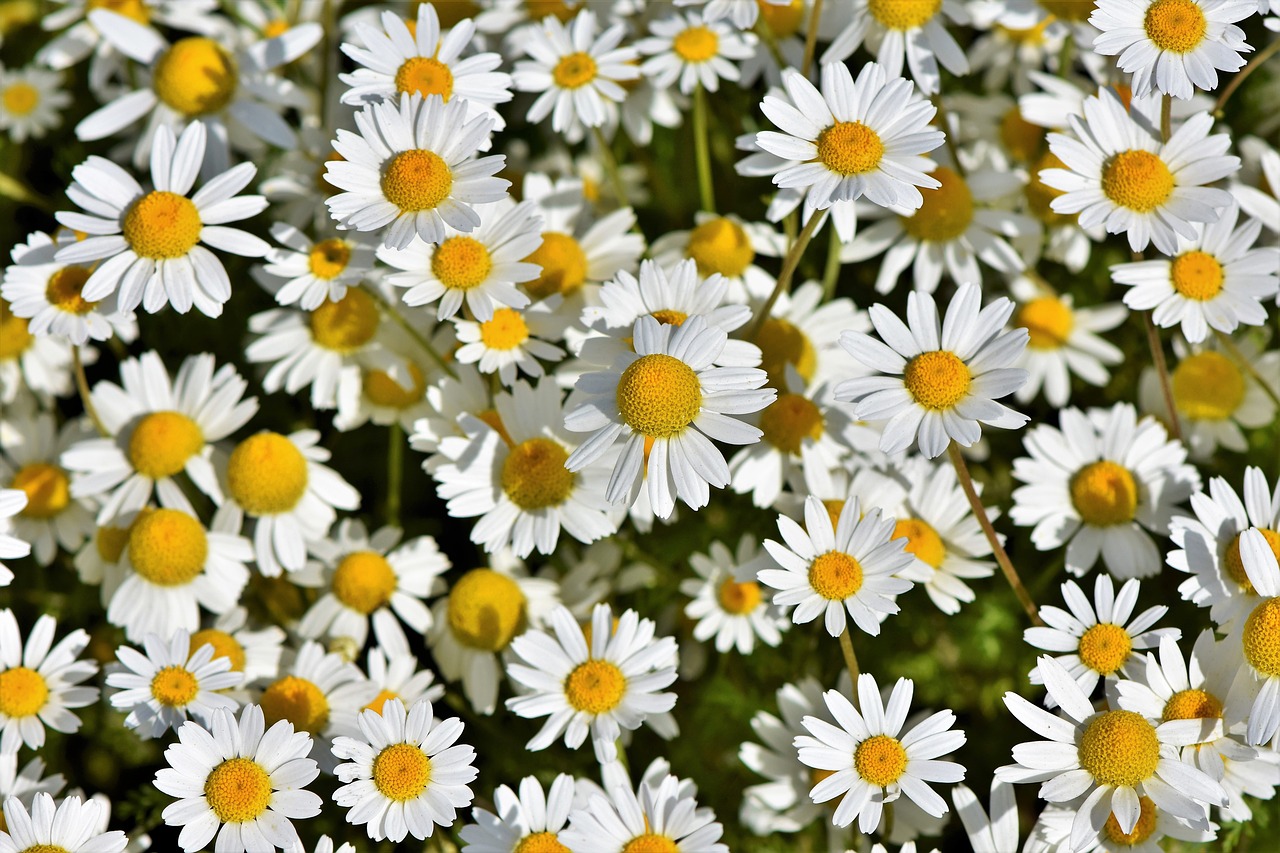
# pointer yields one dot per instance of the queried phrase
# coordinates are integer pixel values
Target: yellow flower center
(507, 330)
(43, 848)
(1040, 195)
(835, 575)
(14, 337)
(135, 9)
(946, 212)
(461, 263)
(659, 395)
(1021, 138)
(238, 790)
(1196, 275)
(850, 148)
(937, 380)
(381, 699)
(162, 442)
(783, 20)
(364, 581)
(1119, 748)
(563, 262)
(1192, 704)
(574, 71)
(426, 76)
(1261, 638)
(1233, 564)
(486, 610)
(384, 391)
(669, 316)
(452, 14)
(401, 772)
(275, 27)
(174, 686)
(346, 325)
(1138, 180)
(297, 700)
(595, 686)
(534, 476)
(110, 542)
(167, 547)
(417, 180)
(1175, 25)
(1048, 321)
(696, 44)
(224, 646)
(47, 488)
(64, 289)
(196, 76)
(783, 343)
(789, 420)
(1142, 830)
(1105, 647)
(904, 14)
(738, 598)
(21, 98)
(833, 507)
(1104, 493)
(328, 258)
(1207, 386)
(650, 842)
(267, 474)
(922, 540)
(880, 759)
(540, 842)
(1027, 35)
(1071, 10)
(494, 421)
(721, 246)
(23, 692)
(162, 225)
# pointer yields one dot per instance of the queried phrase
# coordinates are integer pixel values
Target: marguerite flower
(694, 50)
(11, 547)
(514, 341)
(308, 272)
(36, 366)
(1259, 639)
(994, 834)
(72, 827)
(161, 688)
(31, 102)
(38, 684)
(29, 462)
(898, 29)
(319, 693)
(530, 817)
(727, 602)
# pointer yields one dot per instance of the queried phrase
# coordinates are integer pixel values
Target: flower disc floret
(364, 581)
(416, 180)
(651, 842)
(540, 842)
(1104, 493)
(328, 259)
(505, 330)
(783, 19)
(1119, 748)
(224, 646)
(784, 343)
(47, 487)
(835, 575)
(564, 266)
(162, 225)
(162, 442)
(167, 547)
(696, 44)
(382, 390)
(174, 686)
(574, 71)
(15, 338)
(64, 289)
(1048, 321)
(1196, 275)
(196, 76)
(1105, 647)
(1138, 180)
(23, 692)
(238, 790)
(267, 474)
(946, 211)
(1143, 829)
(461, 263)
(1192, 704)
(425, 76)
(721, 246)
(850, 148)
(486, 610)
(1233, 563)
(669, 316)
(659, 395)
(1040, 195)
(880, 759)
(595, 686)
(297, 700)
(1208, 386)
(1177, 26)
(904, 14)
(738, 598)
(789, 420)
(922, 540)
(21, 99)
(346, 325)
(938, 379)
(1261, 638)
(401, 772)
(534, 476)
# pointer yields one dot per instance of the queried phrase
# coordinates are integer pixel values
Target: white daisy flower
(394, 671)
(914, 31)
(278, 481)
(694, 50)
(30, 449)
(25, 784)
(1214, 279)
(727, 602)
(39, 365)
(1111, 758)
(239, 782)
(532, 817)
(727, 246)
(1254, 186)
(1259, 639)
(1093, 641)
(73, 827)
(319, 692)
(168, 684)
(871, 761)
(599, 687)
(149, 243)
(1101, 484)
(157, 429)
(252, 651)
(308, 272)
(1172, 46)
(12, 502)
(406, 774)
(666, 401)
(993, 834)
(743, 13)
(829, 568)
(1052, 831)
(79, 38)
(448, 399)
(1118, 174)
(410, 170)
(31, 102)
(951, 372)
(803, 332)
(513, 340)
(395, 394)
(39, 682)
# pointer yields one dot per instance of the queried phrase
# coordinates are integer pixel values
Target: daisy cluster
(795, 394)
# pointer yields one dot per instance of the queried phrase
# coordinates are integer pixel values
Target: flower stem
(811, 37)
(1166, 117)
(1162, 369)
(395, 471)
(421, 340)
(789, 264)
(611, 167)
(850, 660)
(702, 151)
(82, 385)
(1248, 366)
(832, 270)
(1258, 58)
(1002, 556)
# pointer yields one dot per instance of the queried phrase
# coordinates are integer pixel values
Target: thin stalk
(421, 340)
(789, 264)
(611, 167)
(947, 135)
(1258, 58)
(832, 270)
(770, 41)
(1002, 556)
(811, 37)
(1066, 56)
(850, 660)
(1166, 117)
(1162, 370)
(395, 471)
(1246, 365)
(702, 151)
(82, 385)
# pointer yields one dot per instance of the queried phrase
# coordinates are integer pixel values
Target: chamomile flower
(319, 693)
(78, 38)
(24, 784)
(743, 13)
(394, 670)
(158, 428)
(170, 682)
(39, 365)
(253, 651)
(513, 340)
(309, 272)
(898, 29)
(829, 568)
(31, 102)
(40, 681)
(599, 687)
(726, 246)
(662, 815)
(693, 50)
(727, 601)
(239, 780)
(530, 817)
(29, 462)
(993, 834)
(12, 502)
(410, 170)
(406, 773)
(942, 378)
(1259, 638)
(1053, 829)
(73, 827)
(1101, 484)
(151, 244)
(448, 399)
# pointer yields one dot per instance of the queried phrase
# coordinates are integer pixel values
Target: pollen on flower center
(789, 420)
(922, 540)
(47, 487)
(1048, 321)
(401, 772)
(1023, 139)
(1104, 493)
(110, 542)
(416, 180)
(267, 474)
(1105, 647)
(1208, 386)
(506, 330)
(346, 325)
(903, 14)
(1040, 195)
(669, 316)
(534, 476)
(297, 700)
(364, 581)
(783, 343)
(721, 246)
(835, 575)
(1196, 275)
(1119, 748)
(238, 790)
(1070, 10)
(174, 686)
(461, 263)
(783, 19)
(328, 258)
(850, 148)
(574, 71)
(1175, 25)
(162, 225)
(938, 379)
(1233, 564)
(382, 390)
(946, 211)
(64, 289)
(1143, 829)
(14, 336)
(381, 699)
(563, 262)
(23, 692)
(1138, 180)
(651, 842)
(880, 759)
(167, 547)
(426, 76)
(595, 686)
(738, 598)
(196, 76)
(659, 395)
(224, 646)
(696, 44)
(833, 506)
(1261, 638)
(486, 610)
(540, 842)
(21, 98)
(1192, 704)
(162, 442)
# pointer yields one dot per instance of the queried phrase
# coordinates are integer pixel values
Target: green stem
(789, 264)
(82, 386)
(850, 660)
(395, 471)
(1246, 365)
(418, 337)
(832, 270)
(1258, 58)
(1066, 57)
(611, 167)
(811, 37)
(1162, 370)
(1166, 117)
(702, 151)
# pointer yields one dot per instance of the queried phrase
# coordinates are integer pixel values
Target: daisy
(727, 246)
(395, 394)
(79, 38)
(897, 30)
(1053, 828)
(1172, 46)
(669, 399)
(743, 13)
(513, 340)
(319, 692)
(993, 834)
(1254, 187)
(950, 380)
(406, 773)
(1097, 642)
(157, 429)
(662, 815)
(150, 243)
(370, 579)
(307, 272)
(38, 684)
(12, 502)
(1117, 174)
(1258, 638)
(733, 611)
(1111, 758)
(252, 651)
(25, 784)
(31, 102)
(598, 688)
(869, 764)
(237, 781)
(1214, 279)
(73, 827)
(1101, 485)
(278, 481)
(410, 170)
(168, 684)
(532, 817)
(478, 265)
(29, 462)
(39, 365)
(694, 50)
(393, 669)
(853, 138)
(828, 568)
